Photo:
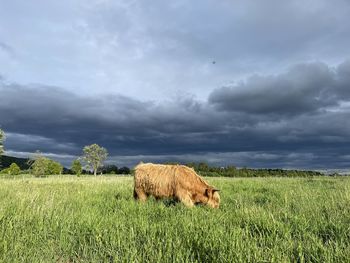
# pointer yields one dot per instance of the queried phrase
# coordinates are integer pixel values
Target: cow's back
(155, 179)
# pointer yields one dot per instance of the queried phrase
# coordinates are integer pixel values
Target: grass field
(90, 219)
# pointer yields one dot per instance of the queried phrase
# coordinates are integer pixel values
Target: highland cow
(173, 181)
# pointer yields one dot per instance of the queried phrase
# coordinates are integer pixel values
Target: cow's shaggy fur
(173, 181)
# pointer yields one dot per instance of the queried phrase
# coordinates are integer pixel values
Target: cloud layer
(149, 49)
(305, 88)
(295, 119)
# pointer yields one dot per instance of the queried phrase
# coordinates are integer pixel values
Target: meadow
(88, 219)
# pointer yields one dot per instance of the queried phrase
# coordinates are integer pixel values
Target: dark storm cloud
(305, 88)
(48, 115)
(295, 119)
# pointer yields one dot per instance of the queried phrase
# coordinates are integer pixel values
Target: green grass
(88, 219)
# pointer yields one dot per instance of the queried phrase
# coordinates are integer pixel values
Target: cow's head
(213, 197)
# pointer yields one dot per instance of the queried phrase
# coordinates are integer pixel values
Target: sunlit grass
(70, 219)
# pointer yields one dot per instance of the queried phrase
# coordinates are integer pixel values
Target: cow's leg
(185, 198)
(140, 195)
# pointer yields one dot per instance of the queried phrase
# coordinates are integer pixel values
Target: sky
(262, 84)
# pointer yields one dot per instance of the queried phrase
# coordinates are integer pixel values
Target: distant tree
(41, 166)
(124, 170)
(76, 167)
(94, 155)
(110, 169)
(203, 167)
(14, 169)
(2, 138)
(4, 171)
(54, 167)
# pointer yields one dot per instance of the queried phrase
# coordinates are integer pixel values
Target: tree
(42, 166)
(76, 167)
(124, 170)
(203, 167)
(14, 169)
(2, 138)
(110, 169)
(54, 167)
(94, 155)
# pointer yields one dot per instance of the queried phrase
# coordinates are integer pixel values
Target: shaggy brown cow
(178, 181)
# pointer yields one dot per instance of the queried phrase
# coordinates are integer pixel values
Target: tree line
(91, 162)
(231, 171)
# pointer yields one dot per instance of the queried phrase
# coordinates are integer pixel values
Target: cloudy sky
(248, 83)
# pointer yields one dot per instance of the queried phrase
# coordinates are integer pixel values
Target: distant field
(91, 219)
